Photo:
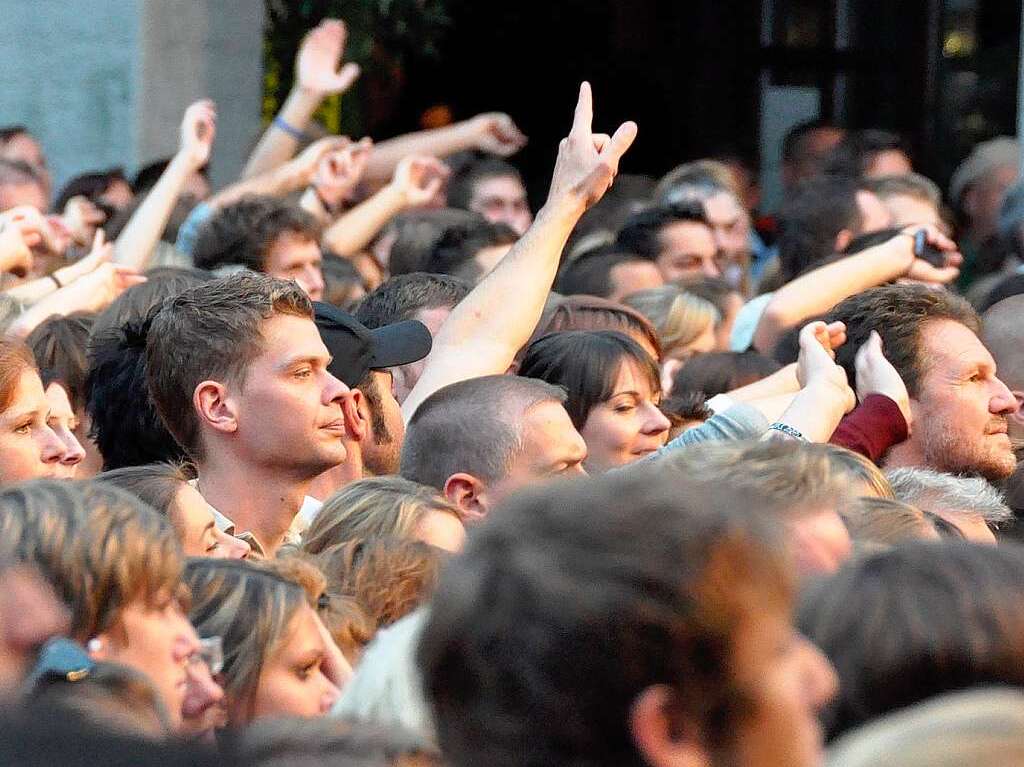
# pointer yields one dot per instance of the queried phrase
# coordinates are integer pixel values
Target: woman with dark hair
(917, 621)
(614, 390)
(722, 372)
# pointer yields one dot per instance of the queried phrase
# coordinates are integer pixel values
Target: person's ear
(215, 406)
(844, 238)
(469, 495)
(661, 736)
(355, 408)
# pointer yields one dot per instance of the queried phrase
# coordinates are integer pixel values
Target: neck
(257, 501)
(907, 454)
(332, 480)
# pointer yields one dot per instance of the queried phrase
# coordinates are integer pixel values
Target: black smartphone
(928, 252)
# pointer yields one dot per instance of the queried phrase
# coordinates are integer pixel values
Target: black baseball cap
(357, 350)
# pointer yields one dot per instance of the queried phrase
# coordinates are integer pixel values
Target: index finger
(583, 119)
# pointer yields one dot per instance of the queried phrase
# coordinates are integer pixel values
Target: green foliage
(392, 31)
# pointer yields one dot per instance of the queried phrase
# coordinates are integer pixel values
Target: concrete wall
(105, 83)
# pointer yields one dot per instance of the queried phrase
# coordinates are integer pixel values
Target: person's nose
(51, 447)
(232, 547)
(1002, 402)
(335, 391)
(656, 422)
(710, 268)
(313, 278)
(74, 452)
(187, 640)
(329, 694)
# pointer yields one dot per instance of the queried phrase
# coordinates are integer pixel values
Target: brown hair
(155, 484)
(59, 346)
(857, 468)
(15, 359)
(211, 331)
(899, 313)
(99, 546)
(592, 313)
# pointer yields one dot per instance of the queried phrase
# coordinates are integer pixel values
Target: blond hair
(680, 318)
(859, 469)
(99, 546)
(885, 521)
(371, 508)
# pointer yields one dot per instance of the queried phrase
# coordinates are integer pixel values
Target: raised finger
(583, 119)
(622, 140)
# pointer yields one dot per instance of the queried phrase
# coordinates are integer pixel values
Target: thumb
(621, 141)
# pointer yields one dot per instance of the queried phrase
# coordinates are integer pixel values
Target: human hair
(155, 484)
(15, 359)
(99, 547)
(472, 426)
(462, 184)
(857, 468)
(569, 603)
(714, 289)
(147, 176)
(331, 741)
(679, 317)
(794, 143)
(586, 364)
(853, 155)
(716, 373)
(59, 347)
(885, 521)
(593, 313)
(211, 331)
(590, 273)
(682, 408)
(1008, 287)
(905, 185)
(251, 609)
(416, 232)
(641, 234)
(373, 507)
(792, 477)
(139, 301)
(982, 727)
(402, 297)
(922, 619)
(343, 284)
(811, 219)
(695, 182)
(244, 232)
(455, 251)
(934, 490)
(91, 186)
(9, 132)
(387, 577)
(899, 313)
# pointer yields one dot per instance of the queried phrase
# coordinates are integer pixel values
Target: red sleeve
(872, 428)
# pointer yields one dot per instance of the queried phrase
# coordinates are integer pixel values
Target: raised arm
(316, 77)
(814, 293)
(493, 132)
(337, 175)
(487, 328)
(417, 180)
(138, 239)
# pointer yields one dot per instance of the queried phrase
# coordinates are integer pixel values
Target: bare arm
(818, 291)
(485, 330)
(317, 77)
(493, 132)
(138, 240)
(417, 180)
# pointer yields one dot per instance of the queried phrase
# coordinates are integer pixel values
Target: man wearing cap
(361, 359)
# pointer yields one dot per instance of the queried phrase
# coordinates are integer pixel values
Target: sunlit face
(730, 225)
(688, 252)
(551, 448)
(907, 210)
(441, 529)
(157, 640)
(960, 413)
(874, 215)
(891, 162)
(29, 449)
(197, 532)
(63, 422)
(785, 681)
(289, 414)
(294, 256)
(633, 276)
(502, 199)
(628, 425)
(292, 682)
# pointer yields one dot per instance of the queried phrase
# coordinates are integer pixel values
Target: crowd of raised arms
(361, 461)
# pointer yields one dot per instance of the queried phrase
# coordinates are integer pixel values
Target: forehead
(722, 207)
(906, 209)
(287, 336)
(499, 186)
(548, 434)
(688, 237)
(631, 377)
(28, 393)
(950, 347)
(292, 246)
(57, 399)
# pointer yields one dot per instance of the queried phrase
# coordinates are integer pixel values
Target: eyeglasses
(210, 653)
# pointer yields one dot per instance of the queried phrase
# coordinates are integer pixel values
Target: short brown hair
(899, 314)
(211, 331)
(59, 346)
(100, 547)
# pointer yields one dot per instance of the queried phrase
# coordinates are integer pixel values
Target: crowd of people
(361, 461)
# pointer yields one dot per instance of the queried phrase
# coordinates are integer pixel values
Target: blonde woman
(117, 565)
(277, 656)
(685, 324)
(385, 507)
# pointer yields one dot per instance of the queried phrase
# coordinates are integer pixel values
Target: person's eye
(213, 546)
(303, 373)
(625, 408)
(23, 428)
(309, 669)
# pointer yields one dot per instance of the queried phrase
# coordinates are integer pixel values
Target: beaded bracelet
(788, 430)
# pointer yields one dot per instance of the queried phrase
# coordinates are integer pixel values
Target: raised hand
(921, 270)
(36, 230)
(876, 375)
(96, 290)
(308, 161)
(587, 162)
(340, 171)
(419, 179)
(816, 367)
(320, 55)
(496, 133)
(198, 129)
(15, 254)
(81, 217)
(102, 252)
